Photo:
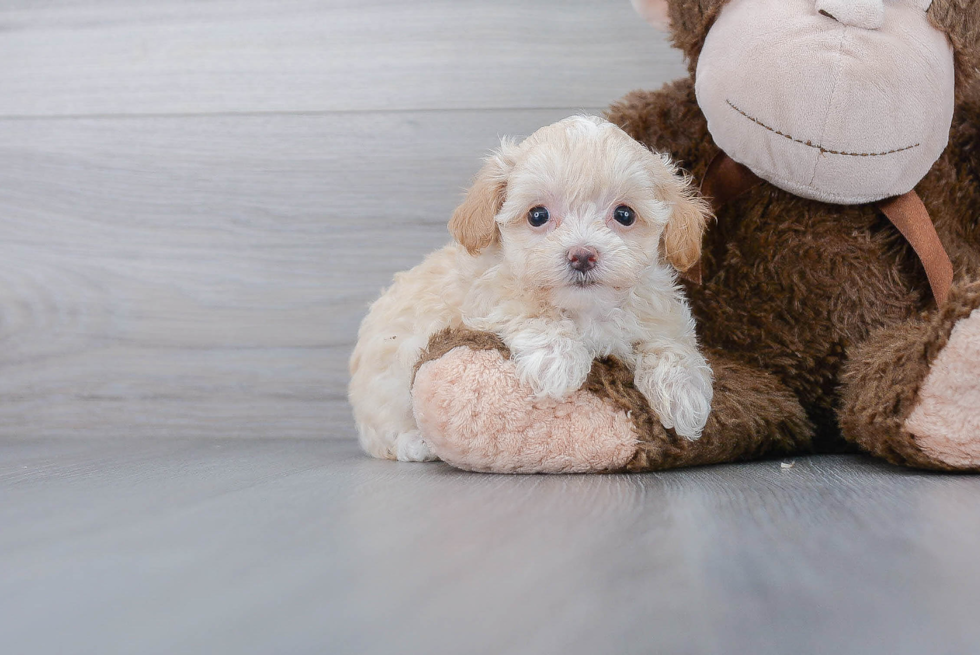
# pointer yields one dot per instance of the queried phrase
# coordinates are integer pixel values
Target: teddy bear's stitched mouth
(815, 146)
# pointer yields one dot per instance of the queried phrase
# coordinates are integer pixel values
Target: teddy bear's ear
(689, 216)
(654, 12)
(473, 223)
(960, 20)
(687, 21)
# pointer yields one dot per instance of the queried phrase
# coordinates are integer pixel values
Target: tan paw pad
(946, 422)
(476, 415)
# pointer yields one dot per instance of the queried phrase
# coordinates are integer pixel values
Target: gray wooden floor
(197, 201)
(188, 545)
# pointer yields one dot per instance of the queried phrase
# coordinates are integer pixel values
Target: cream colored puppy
(567, 246)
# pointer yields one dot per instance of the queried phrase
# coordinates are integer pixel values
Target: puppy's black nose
(582, 258)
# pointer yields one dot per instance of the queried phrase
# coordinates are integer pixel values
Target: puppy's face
(580, 209)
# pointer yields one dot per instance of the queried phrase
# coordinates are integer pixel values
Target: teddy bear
(838, 291)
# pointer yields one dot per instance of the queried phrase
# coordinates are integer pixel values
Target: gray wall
(199, 199)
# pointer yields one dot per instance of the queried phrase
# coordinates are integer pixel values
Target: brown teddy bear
(839, 142)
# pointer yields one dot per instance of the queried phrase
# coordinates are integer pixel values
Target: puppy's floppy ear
(688, 217)
(473, 223)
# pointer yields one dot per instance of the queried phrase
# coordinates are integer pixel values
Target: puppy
(567, 246)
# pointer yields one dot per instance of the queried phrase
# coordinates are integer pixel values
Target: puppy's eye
(624, 215)
(538, 216)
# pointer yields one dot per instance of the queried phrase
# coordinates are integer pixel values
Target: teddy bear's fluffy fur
(800, 287)
(817, 318)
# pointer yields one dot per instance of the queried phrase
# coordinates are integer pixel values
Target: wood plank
(82, 57)
(258, 546)
(207, 275)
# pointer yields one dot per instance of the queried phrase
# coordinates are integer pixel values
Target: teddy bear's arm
(476, 414)
(753, 415)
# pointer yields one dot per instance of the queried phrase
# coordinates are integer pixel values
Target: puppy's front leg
(550, 356)
(677, 384)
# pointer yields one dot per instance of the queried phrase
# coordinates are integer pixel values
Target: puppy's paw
(553, 369)
(680, 395)
(409, 447)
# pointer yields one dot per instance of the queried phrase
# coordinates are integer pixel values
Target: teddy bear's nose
(582, 258)
(866, 14)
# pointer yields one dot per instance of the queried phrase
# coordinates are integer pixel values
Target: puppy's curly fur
(593, 273)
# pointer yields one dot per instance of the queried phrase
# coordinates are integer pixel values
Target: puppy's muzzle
(583, 259)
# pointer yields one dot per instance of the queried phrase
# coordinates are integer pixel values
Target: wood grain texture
(82, 57)
(206, 275)
(305, 546)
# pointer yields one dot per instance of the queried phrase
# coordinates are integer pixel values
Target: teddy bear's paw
(476, 414)
(946, 420)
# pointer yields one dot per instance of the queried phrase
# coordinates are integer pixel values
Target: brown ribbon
(726, 180)
(910, 216)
